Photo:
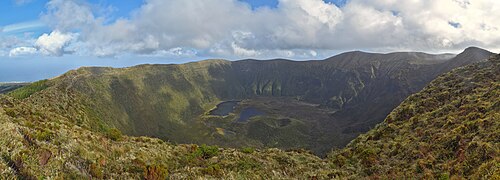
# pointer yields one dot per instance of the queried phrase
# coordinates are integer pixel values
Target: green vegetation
(28, 90)
(449, 130)
(114, 134)
(8, 87)
(44, 135)
(155, 173)
(304, 101)
(206, 152)
(248, 150)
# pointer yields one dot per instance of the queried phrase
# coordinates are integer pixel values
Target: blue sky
(13, 13)
(44, 38)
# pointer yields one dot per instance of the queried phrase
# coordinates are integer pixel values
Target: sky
(43, 38)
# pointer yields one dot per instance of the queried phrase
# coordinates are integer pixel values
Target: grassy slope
(450, 129)
(41, 144)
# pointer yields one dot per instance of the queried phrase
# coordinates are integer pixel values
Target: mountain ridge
(168, 101)
(449, 130)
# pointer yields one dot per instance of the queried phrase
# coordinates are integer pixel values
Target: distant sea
(25, 69)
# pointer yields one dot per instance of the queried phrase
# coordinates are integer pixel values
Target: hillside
(7, 87)
(172, 102)
(448, 130)
(40, 144)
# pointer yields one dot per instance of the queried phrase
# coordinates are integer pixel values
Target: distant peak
(469, 55)
(474, 49)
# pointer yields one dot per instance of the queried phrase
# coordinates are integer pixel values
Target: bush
(205, 152)
(444, 176)
(11, 112)
(248, 150)
(155, 172)
(96, 171)
(246, 164)
(368, 157)
(213, 170)
(44, 135)
(114, 134)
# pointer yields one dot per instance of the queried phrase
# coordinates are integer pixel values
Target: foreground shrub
(155, 172)
(114, 134)
(206, 152)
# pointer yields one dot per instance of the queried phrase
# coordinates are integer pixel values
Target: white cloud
(9, 42)
(53, 44)
(177, 52)
(20, 51)
(21, 27)
(296, 28)
(67, 15)
(239, 51)
(313, 53)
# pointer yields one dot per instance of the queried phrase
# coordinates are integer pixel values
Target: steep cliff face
(355, 90)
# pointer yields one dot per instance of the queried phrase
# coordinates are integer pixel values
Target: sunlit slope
(449, 129)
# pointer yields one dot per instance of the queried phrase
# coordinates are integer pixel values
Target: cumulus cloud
(295, 28)
(20, 51)
(53, 44)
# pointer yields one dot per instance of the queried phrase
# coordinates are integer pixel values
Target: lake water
(227, 107)
(224, 108)
(248, 113)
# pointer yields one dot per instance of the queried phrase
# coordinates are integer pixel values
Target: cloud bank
(295, 28)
